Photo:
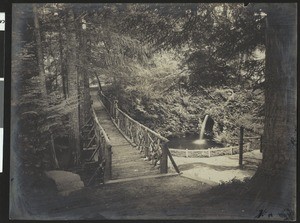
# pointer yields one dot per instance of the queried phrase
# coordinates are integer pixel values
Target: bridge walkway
(127, 161)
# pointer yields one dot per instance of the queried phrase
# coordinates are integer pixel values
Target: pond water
(192, 143)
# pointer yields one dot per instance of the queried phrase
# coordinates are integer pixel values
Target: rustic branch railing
(151, 144)
(104, 144)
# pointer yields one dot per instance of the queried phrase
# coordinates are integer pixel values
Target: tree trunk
(275, 180)
(42, 75)
(74, 136)
(85, 101)
(39, 51)
(63, 70)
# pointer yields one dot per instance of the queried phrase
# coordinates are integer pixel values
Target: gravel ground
(173, 197)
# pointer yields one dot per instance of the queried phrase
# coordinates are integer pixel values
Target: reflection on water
(192, 142)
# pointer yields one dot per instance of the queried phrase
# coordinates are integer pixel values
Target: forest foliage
(167, 64)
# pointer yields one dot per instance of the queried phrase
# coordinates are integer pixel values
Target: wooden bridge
(124, 147)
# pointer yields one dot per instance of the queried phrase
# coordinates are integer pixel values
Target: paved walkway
(215, 170)
(127, 162)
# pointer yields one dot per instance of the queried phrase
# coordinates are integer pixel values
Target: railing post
(241, 147)
(111, 109)
(146, 149)
(108, 162)
(172, 160)
(115, 107)
(101, 153)
(164, 159)
(261, 139)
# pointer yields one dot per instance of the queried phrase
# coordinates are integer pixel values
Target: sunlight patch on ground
(216, 170)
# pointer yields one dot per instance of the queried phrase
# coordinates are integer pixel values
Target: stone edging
(209, 152)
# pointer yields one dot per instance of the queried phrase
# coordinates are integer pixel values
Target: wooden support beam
(90, 143)
(91, 130)
(108, 163)
(172, 161)
(94, 153)
(87, 124)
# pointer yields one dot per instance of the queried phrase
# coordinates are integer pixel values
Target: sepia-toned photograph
(153, 111)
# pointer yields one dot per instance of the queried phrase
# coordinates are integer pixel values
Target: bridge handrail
(107, 140)
(107, 103)
(104, 144)
(144, 127)
(131, 119)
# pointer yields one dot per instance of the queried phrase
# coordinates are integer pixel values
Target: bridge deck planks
(127, 161)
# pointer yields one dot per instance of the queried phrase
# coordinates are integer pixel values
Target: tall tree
(83, 58)
(61, 29)
(73, 78)
(41, 70)
(39, 51)
(276, 177)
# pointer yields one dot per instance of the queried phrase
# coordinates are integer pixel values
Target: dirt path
(173, 197)
(168, 197)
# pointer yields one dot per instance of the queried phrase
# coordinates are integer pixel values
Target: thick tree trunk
(40, 62)
(280, 92)
(275, 180)
(85, 101)
(74, 136)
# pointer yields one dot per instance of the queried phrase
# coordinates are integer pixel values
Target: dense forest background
(168, 66)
